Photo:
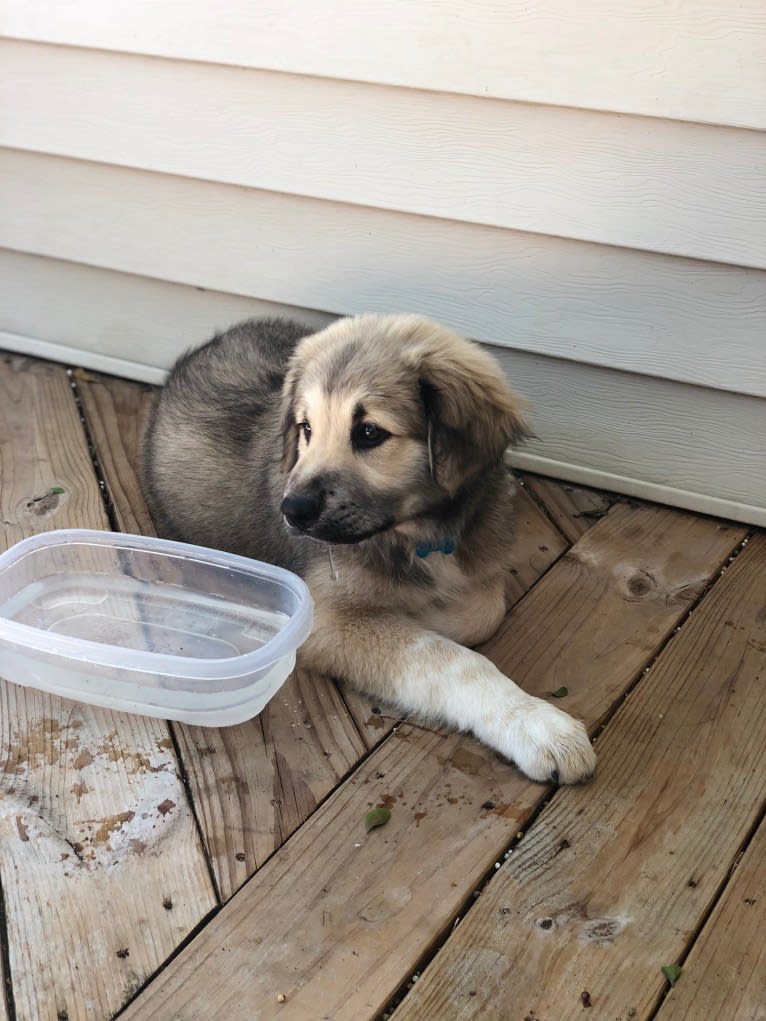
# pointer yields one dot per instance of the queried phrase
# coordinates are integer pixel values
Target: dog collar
(445, 546)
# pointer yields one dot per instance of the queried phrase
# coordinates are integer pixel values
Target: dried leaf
(84, 376)
(671, 972)
(561, 692)
(376, 817)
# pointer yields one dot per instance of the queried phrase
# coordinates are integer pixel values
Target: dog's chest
(466, 609)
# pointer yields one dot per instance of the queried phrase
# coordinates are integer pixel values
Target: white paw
(545, 743)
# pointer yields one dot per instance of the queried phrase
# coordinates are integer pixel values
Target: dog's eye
(305, 428)
(366, 435)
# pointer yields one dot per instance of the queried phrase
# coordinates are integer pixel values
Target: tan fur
(394, 623)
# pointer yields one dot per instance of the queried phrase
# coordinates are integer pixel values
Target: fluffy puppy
(368, 458)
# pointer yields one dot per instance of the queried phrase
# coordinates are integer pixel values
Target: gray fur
(211, 466)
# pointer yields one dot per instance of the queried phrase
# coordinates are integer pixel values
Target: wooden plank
(605, 178)
(692, 60)
(102, 871)
(613, 880)
(255, 783)
(337, 920)
(704, 323)
(116, 412)
(574, 509)
(43, 449)
(724, 976)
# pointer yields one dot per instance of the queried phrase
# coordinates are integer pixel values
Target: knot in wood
(639, 585)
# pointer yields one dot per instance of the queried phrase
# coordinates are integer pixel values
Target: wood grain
(116, 412)
(255, 783)
(683, 189)
(102, 871)
(693, 60)
(337, 920)
(613, 880)
(574, 509)
(724, 976)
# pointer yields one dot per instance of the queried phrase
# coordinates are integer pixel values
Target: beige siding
(576, 185)
(699, 60)
(121, 323)
(636, 182)
(693, 321)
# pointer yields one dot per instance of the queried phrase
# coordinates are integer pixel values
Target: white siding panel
(116, 322)
(665, 316)
(701, 60)
(683, 445)
(683, 189)
(680, 444)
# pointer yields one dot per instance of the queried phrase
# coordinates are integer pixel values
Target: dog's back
(211, 452)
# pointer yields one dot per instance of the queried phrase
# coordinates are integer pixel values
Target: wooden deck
(168, 872)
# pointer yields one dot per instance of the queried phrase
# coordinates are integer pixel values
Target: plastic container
(149, 626)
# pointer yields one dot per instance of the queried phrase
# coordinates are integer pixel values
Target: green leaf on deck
(376, 817)
(561, 692)
(56, 491)
(671, 972)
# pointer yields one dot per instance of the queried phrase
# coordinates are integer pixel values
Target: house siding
(589, 203)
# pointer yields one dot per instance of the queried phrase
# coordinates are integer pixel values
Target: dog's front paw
(546, 743)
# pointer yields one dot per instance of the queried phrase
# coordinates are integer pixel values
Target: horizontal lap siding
(694, 321)
(128, 325)
(474, 164)
(636, 182)
(702, 60)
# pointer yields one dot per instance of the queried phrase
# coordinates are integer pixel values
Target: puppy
(368, 458)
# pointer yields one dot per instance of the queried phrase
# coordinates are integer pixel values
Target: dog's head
(384, 418)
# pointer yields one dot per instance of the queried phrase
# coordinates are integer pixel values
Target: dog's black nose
(301, 511)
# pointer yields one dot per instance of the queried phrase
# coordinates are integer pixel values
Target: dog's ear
(289, 426)
(472, 414)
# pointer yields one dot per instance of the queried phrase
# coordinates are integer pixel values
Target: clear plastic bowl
(149, 626)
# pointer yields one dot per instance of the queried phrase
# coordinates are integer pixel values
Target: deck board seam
(98, 471)
(706, 915)
(542, 507)
(5, 959)
(183, 774)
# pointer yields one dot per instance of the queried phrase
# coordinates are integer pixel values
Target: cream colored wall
(581, 186)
